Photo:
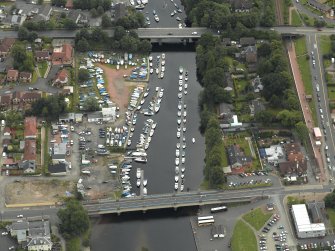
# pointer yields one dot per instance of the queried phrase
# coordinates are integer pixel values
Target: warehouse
(303, 225)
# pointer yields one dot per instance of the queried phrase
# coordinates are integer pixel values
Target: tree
(91, 104)
(83, 75)
(100, 10)
(82, 45)
(94, 12)
(330, 200)
(69, 24)
(40, 2)
(106, 21)
(74, 219)
(22, 61)
(23, 33)
(49, 107)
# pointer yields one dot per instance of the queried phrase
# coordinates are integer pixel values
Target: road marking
(324, 93)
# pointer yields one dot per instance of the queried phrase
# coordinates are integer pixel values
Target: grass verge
(73, 244)
(243, 238)
(331, 216)
(295, 18)
(257, 218)
(304, 67)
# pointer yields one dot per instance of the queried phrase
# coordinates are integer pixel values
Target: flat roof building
(303, 225)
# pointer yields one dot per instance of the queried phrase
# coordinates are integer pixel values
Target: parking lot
(247, 179)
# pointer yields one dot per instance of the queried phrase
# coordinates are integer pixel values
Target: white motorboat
(193, 140)
(181, 70)
(176, 186)
(181, 187)
(141, 160)
(138, 182)
(182, 169)
(145, 191)
(138, 173)
(176, 178)
(157, 107)
(132, 2)
(161, 94)
(145, 182)
(142, 101)
(146, 94)
(154, 125)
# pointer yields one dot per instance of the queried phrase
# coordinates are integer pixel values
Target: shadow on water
(173, 47)
(149, 215)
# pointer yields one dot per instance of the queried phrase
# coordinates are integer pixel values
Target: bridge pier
(184, 41)
(144, 211)
(160, 41)
(175, 208)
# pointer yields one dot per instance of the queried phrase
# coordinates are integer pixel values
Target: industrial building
(304, 227)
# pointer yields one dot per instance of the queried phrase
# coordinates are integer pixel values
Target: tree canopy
(74, 219)
(90, 104)
(22, 60)
(49, 107)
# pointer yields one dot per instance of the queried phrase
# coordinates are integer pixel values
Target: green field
(295, 18)
(257, 218)
(243, 238)
(305, 71)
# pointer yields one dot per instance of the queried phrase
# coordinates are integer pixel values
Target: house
(237, 158)
(67, 90)
(293, 168)
(58, 169)
(59, 152)
(28, 166)
(316, 210)
(229, 82)
(61, 79)
(17, 20)
(226, 41)
(63, 55)
(235, 122)
(33, 234)
(42, 56)
(16, 97)
(319, 6)
(30, 97)
(19, 230)
(12, 75)
(120, 11)
(6, 131)
(25, 77)
(30, 128)
(29, 149)
(69, 4)
(77, 17)
(274, 153)
(241, 5)
(250, 54)
(5, 101)
(256, 106)
(247, 41)
(44, 13)
(257, 84)
(5, 46)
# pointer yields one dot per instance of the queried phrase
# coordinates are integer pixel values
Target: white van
(326, 147)
(328, 160)
(321, 111)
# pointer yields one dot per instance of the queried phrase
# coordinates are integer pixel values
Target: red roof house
(30, 128)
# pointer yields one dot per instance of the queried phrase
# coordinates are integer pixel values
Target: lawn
(305, 71)
(331, 216)
(238, 139)
(42, 66)
(331, 92)
(257, 218)
(295, 18)
(243, 238)
(309, 21)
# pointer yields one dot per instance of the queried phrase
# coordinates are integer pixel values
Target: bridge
(174, 201)
(167, 33)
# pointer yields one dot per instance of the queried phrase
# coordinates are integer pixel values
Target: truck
(317, 133)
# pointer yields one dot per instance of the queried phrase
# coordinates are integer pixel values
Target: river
(163, 229)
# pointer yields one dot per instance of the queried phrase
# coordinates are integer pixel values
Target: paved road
(191, 198)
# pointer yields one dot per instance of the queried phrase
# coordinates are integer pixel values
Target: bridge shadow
(148, 215)
(173, 46)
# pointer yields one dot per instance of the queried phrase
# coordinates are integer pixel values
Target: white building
(108, 114)
(303, 225)
(274, 153)
(235, 122)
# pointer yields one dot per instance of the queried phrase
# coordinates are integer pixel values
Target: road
(191, 199)
(324, 120)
